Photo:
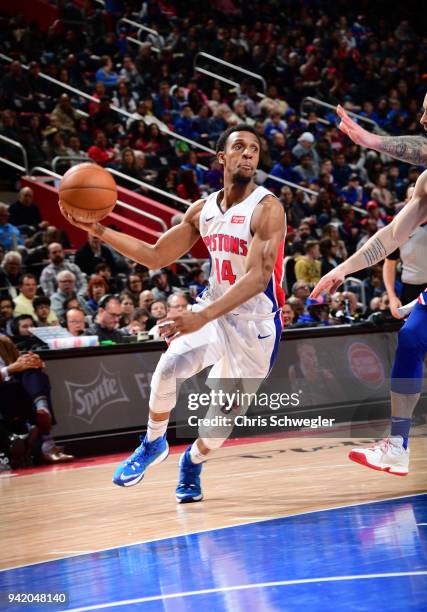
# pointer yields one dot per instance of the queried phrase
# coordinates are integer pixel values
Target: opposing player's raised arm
(268, 226)
(384, 242)
(411, 149)
(171, 246)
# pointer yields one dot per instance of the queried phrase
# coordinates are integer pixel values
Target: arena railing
(308, 100)
(140, 28)
(222, 62)
(18, 145)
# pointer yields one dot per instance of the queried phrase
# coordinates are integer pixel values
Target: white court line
(188, 533)
(242, 587)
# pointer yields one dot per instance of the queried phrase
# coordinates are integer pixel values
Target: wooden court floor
(64, 512)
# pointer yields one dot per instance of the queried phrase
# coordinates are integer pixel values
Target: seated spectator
(284, 170)
(163, 101)
(307, 267)
(301, 290)
(66, 289)
(158, 309)
(107, 320)
(22, 335)
(288, 314)
(10, 236)
(75, 321)
(41, 304)
(307, 171)
(275, 124)
(123, 98)
(145, 299)
(105, 74)
(100, 152)
(130, 166)
(331, 231)
(114, 283)
(349, 228)
(381, 194)
(10, 272)
(139, 322)
(65, 113)
(297, 305)
(176, 303)
(75, 149)
(353, 192)
(25, 212)
(215, 176)
(317, 313)
(190, 163)
(305, 146)
(304, 233)
(341, 171)
(188, 188)
(92, 253)
(127, 305)
(57, 264)
(329, 259)
(25, 398)
(184, 123)
(27, 293)
(162, 288)
(96, 289)
(7, 306)
(196, 282)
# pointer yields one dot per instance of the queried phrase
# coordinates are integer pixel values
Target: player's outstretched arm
(411, 149)
(384, 242)
(171, 246)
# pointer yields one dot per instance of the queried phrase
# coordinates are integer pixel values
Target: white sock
(195, 455)
(156, 429)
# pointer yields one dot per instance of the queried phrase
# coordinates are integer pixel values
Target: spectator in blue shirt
(341, 171)
(10, 236)
(105, 74)
(353, 191)
(184, 123)
(284, 170)
(190, 163)
(164, 102)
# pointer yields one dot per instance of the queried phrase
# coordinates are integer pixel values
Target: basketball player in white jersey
(392, 454)
(236, 325)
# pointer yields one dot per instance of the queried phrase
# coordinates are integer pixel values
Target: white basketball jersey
(227, 237)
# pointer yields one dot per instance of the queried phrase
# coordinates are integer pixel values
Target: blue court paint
(354, 558)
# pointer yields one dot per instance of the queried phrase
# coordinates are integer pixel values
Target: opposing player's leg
(392, 454)
(186, 356)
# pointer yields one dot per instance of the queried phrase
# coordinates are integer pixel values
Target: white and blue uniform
(407, 370)
(242, 344)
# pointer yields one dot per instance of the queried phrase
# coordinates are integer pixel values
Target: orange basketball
(88, 192)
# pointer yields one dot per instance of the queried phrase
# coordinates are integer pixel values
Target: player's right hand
(329, 283)
(354, 131)
(395, 303)
(87, 227)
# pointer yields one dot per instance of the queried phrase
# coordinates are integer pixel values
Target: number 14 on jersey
(224, 271)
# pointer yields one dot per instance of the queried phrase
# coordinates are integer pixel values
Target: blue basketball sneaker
(188, 489)
(132, 470)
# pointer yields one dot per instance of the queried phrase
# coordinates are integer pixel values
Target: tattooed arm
(411, 149)
(385, 241)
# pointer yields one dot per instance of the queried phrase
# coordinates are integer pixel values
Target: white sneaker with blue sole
(132, 470)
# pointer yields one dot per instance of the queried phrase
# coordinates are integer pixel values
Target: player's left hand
(184, 323)
(330, 283)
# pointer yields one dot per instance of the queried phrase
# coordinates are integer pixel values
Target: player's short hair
(241, 127)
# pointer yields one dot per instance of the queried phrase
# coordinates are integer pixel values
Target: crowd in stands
(370, 64)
